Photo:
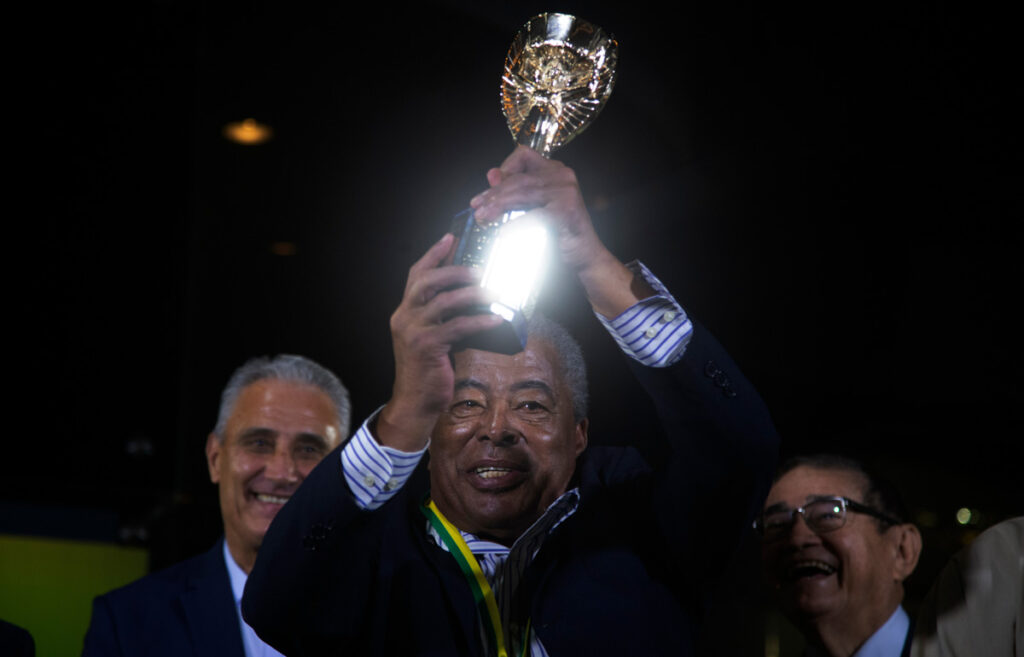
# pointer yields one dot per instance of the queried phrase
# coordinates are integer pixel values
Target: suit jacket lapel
(908, 640)
(210, 610)
(453, 582)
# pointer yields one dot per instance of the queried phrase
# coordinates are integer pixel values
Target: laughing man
(838, 570)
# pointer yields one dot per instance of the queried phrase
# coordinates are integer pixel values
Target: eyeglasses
(822, 516)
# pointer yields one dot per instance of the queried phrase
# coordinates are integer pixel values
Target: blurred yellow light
(249, 132)
(963, 516)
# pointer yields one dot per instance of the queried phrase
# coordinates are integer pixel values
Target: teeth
(811, 567)
(271, 499)
(490, 473)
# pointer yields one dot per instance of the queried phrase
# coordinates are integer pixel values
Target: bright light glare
(963, 516)
(515, 264)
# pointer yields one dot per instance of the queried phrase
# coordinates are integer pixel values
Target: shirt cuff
(373, 472)
(654, 331)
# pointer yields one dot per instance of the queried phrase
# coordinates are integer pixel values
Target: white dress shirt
(254, 646)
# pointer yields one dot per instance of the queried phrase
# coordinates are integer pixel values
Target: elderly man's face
(277, 432)
(852, 573)
(506, 448)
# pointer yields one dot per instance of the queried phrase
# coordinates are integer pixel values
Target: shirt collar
(555, 514)
(886, 641)
(889, 638)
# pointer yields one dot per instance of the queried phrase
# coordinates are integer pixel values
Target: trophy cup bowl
(559, 73)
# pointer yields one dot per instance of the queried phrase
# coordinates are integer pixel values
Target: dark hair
(879, 492)
(574, 368)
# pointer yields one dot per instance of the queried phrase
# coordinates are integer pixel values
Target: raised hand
(526, 180)
(423, 329)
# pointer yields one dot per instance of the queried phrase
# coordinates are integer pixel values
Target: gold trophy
(559, 73)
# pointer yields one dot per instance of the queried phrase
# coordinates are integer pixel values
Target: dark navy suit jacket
(625, 575)
(187, 609)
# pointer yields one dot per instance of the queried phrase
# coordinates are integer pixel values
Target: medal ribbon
(482, 593)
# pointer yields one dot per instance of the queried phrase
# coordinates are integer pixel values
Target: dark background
(830, 189)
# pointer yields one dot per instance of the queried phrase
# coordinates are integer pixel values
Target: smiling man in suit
(469, 516)
(278, 418)
(838, 570)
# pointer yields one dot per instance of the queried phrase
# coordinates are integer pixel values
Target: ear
(581, 435)
(213, 449)
(908, 550)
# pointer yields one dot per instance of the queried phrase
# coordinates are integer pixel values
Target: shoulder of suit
(171, 580)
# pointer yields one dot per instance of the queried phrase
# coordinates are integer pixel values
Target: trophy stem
(559, 72)
(539, 131)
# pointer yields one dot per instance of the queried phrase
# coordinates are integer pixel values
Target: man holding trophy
(467, 516)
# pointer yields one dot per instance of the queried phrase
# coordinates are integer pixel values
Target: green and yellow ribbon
(482, 593)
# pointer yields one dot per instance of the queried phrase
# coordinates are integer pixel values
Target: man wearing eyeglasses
(838, 569)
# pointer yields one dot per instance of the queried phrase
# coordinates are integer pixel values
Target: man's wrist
(403, 427)
(656, 330)
(610, 286)
(375, 473)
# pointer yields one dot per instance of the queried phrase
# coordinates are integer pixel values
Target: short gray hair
(285, 367)
(574, 368)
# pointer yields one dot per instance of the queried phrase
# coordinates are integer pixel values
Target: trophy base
(507, 338)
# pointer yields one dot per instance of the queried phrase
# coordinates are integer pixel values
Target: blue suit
(187, 609)
(625, 575)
